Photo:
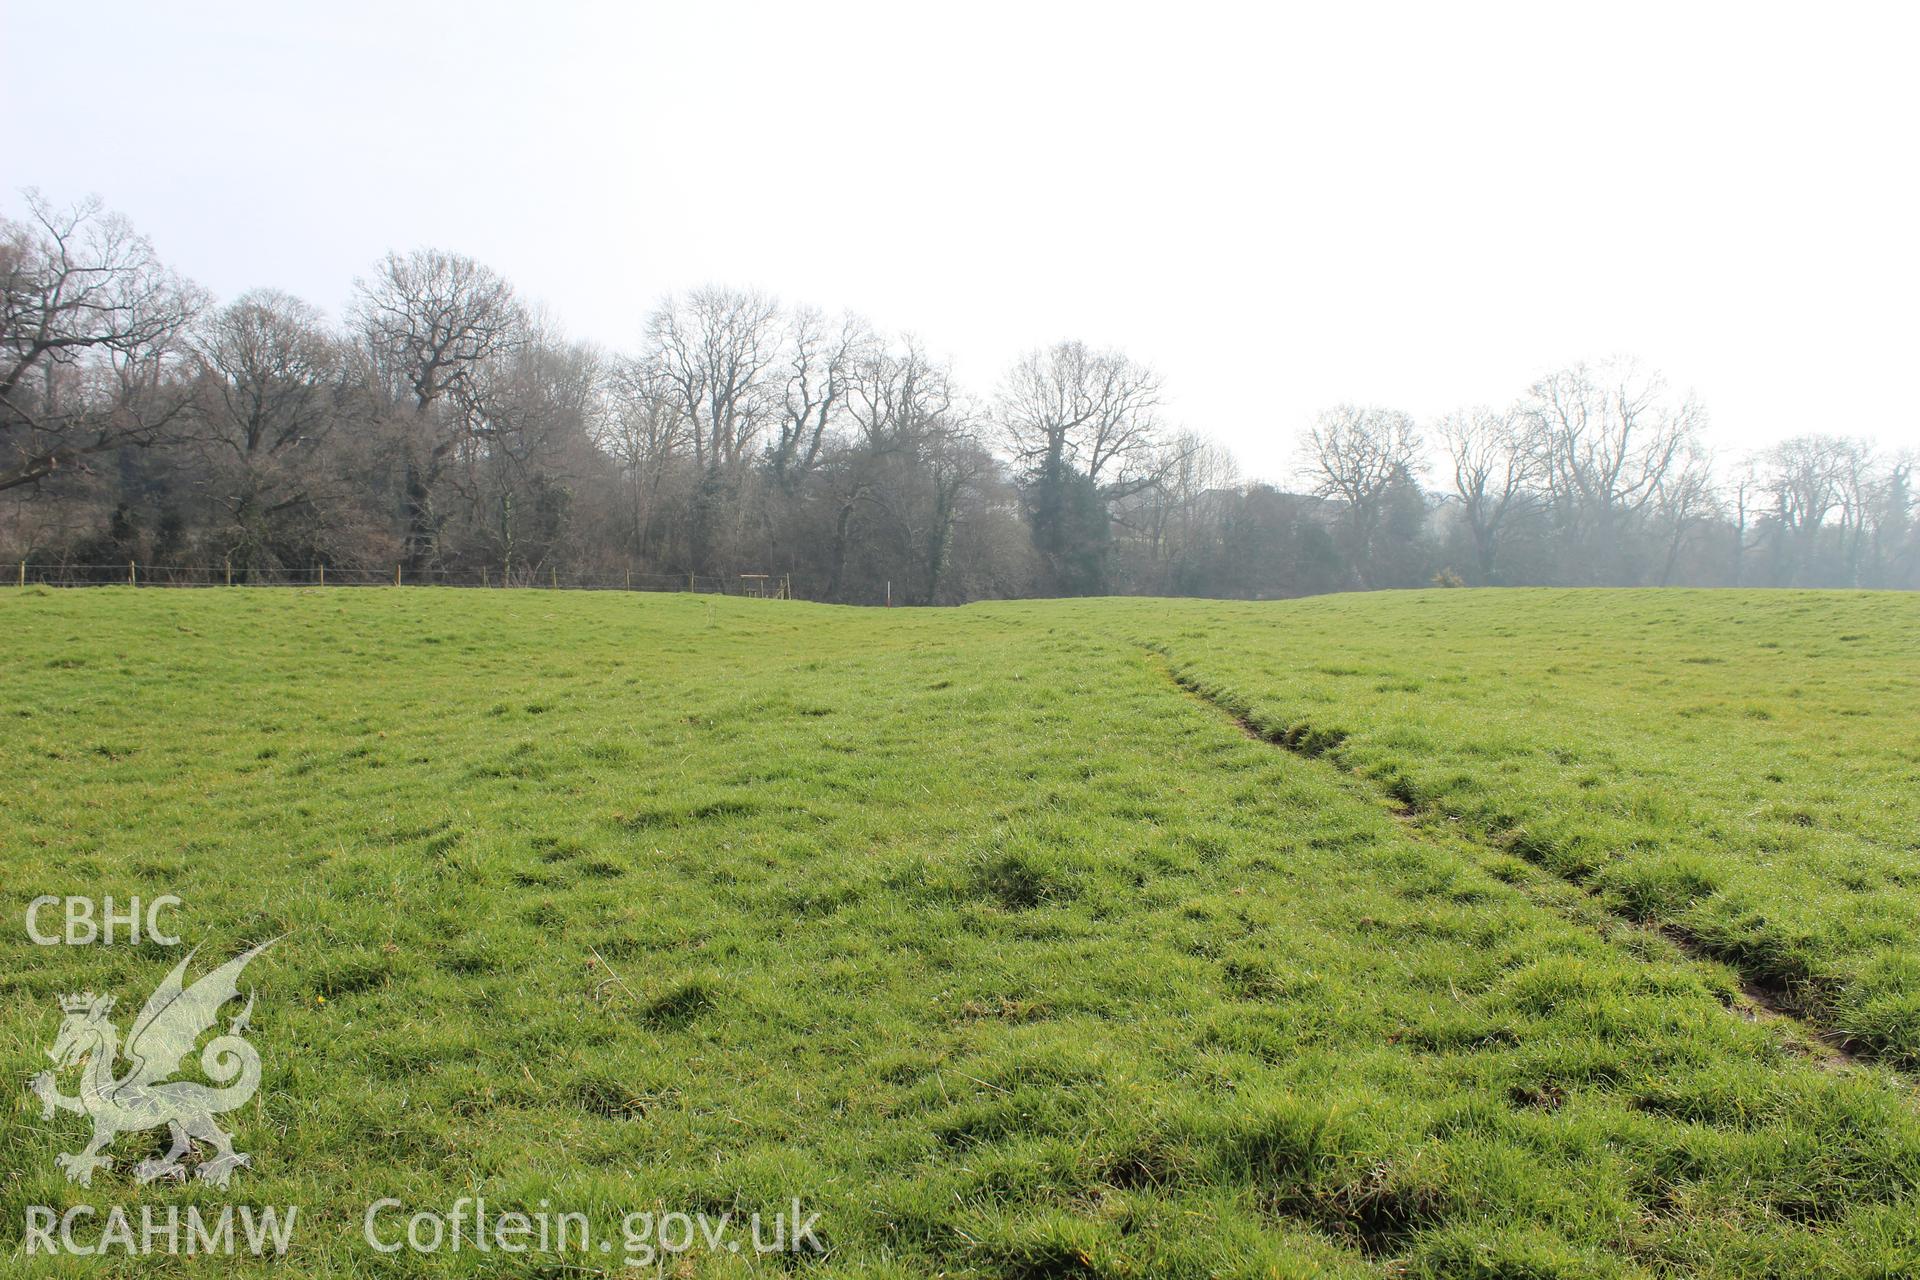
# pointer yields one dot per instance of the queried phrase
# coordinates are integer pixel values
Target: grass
(977, 932)
(1742, 769)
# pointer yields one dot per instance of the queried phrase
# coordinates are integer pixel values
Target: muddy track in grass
(1753, 1000)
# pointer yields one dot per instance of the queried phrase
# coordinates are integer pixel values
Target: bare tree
(1084, 431)
(431, 321)
(1825, 501)
(1095, 412)
(1684, 506)
(715, 348)
(898, 402)
(1803, 484)
(1804, 476)
(1612, 437)
(1896, 536)
(1496, 467)
(957, 462)
(1860, 506)
(1747, 493)
(433, 318)
(268, 392)
(647, 432)
(1172, 521)
(1356, 455)
(90, 329)
(529, 420)
(821, 365)
(897, 395)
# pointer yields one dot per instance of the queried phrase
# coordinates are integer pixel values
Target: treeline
(451, 431)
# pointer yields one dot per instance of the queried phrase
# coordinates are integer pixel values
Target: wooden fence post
(483, 577)
(629, 577)
(133, 574)
(323, 573)
(555, 579)
(396, 575)
(229, 570)
(23, 573)
(689, 580)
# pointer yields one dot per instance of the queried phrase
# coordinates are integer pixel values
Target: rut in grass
(1757, 1000)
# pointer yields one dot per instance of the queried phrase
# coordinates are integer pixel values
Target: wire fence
(551, 578)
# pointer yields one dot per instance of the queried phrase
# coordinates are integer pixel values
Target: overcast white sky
(1279, 207)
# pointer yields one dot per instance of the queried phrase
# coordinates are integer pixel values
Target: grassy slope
(1742, 767)
(966, 926)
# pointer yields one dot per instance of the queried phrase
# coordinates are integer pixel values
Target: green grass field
(1485, 934)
